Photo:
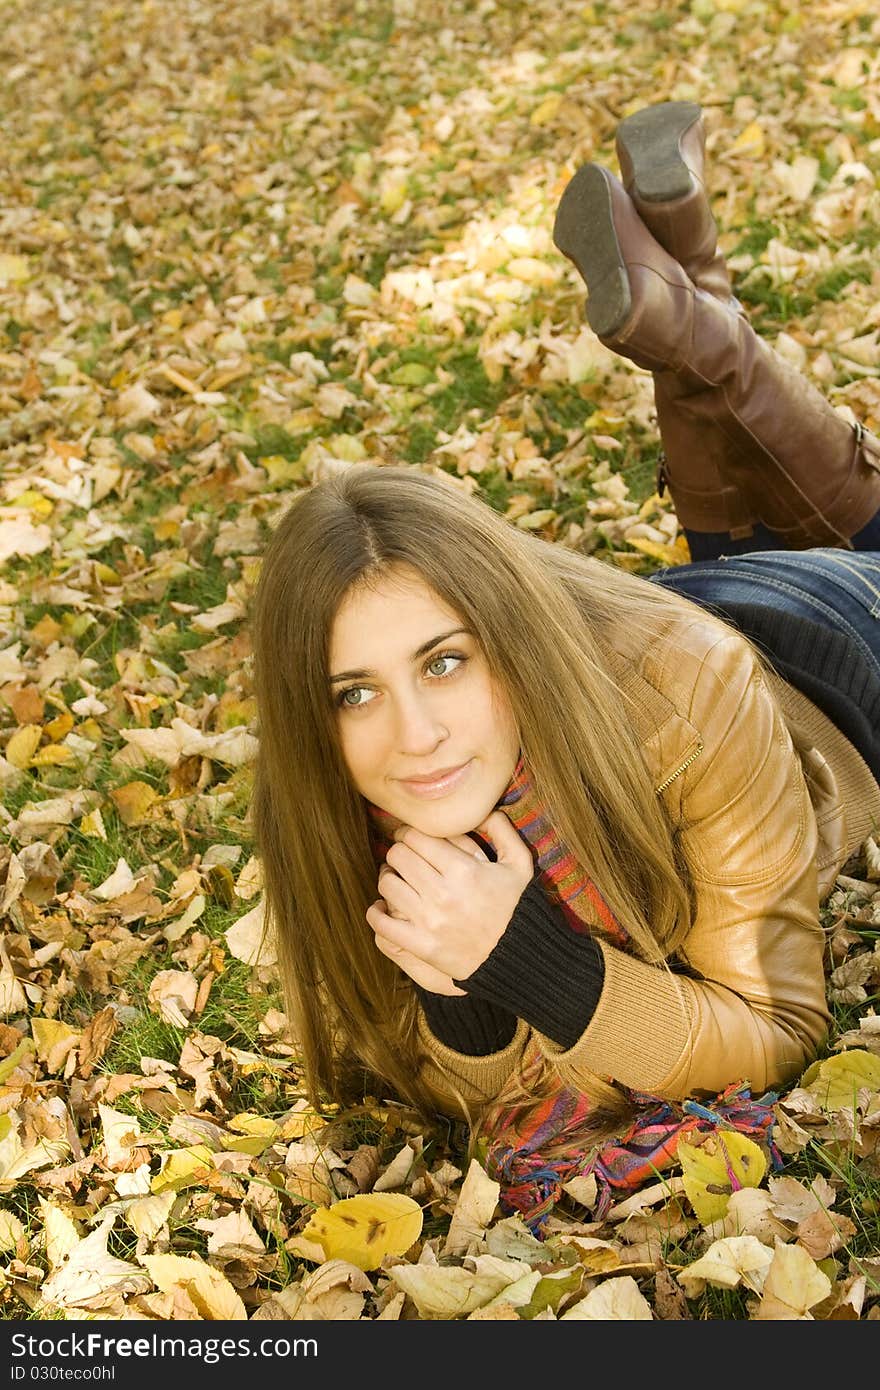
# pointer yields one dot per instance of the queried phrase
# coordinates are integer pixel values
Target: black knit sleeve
(541, 970)
(467, 1024)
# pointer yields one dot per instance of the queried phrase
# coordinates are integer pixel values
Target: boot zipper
(679, 770)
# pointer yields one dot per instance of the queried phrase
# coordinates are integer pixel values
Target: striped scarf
(536, 1134)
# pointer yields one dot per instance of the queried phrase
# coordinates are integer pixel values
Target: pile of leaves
(243, 245)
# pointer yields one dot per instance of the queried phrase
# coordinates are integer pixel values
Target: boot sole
(650, 139)
(584, 232)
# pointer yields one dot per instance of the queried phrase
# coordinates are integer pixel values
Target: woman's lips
(440, 786)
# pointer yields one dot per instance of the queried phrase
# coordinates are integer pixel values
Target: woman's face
(426, 734)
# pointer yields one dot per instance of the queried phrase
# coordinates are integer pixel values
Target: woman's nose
(420, 729)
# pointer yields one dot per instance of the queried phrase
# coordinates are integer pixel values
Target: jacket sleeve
(461, 1084)
(752, 1005)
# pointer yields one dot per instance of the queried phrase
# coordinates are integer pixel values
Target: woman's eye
(441, 660)
(346, 703)
(444, 664)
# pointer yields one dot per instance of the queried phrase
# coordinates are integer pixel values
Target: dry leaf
(364, 1229)
(133, 802)
(836, 1081)
(724, 1163)
(91, 1276)
(210, 1291)
(248, 941)
(794, 1283)
(727, 1263)
(473, 1211)
(172, 995)
(619, 1300)
(453, 1291)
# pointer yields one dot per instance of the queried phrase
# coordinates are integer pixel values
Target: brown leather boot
(661, 150)
(806, 474)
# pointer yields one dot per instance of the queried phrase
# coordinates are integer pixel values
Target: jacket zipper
(679, 770)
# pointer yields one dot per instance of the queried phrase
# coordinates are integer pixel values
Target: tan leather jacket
(757, 816)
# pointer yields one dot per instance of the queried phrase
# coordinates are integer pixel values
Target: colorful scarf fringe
(533, 1149)
(535, 1137)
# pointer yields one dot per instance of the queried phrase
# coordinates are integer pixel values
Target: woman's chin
(444, 823)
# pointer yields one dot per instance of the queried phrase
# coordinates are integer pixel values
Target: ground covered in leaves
(242, 244)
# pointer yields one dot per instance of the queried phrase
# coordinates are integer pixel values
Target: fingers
(401, 899)
(419, 872)
(469, 846)
(440, 854)
(400, 932)
(509, 847)
(425, 975)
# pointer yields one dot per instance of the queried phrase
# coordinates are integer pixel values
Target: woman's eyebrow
(420, 651)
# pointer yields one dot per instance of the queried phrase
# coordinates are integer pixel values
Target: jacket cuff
(642, 1032)
(467, 1024)
(542, 970)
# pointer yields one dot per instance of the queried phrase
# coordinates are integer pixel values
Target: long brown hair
(543, 616)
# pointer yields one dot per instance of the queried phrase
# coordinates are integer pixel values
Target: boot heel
(584, 232)
(649, 143)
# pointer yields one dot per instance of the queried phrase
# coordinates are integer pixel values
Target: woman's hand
(444, 905)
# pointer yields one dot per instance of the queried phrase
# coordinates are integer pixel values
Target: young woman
(532, 827)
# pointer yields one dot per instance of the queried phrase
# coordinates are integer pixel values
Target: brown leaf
(824, 1232)
(133, 802)
(25, 701)
(670, 1303)
(97, 1036)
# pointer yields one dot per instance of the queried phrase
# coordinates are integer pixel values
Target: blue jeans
(826, 588)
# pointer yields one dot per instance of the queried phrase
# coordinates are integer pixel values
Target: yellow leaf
(183, 1168)
(545, 112)
(531, 271)
(105, 573)
(250, 1123)
(23, 744)
(34, 501)
(210, 1291)
(133, 801)
(60, 726)
(535, 521)
(90, 1276)
(11, 1230)
(53, 755)
(283, 470)
(13, 269)
(54, 1040)
(60, 1232)
(750, 141)
(8, 1065)
(669, 554)
(452, 1291)
(728, 1262)
(474, 1210)
(308, 418)
(726, 1162)
(349, 447)
(835, 1081)
(393, 191)
(596, 1256)
(93, 825)
(364, 1229)
(257, 1133)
